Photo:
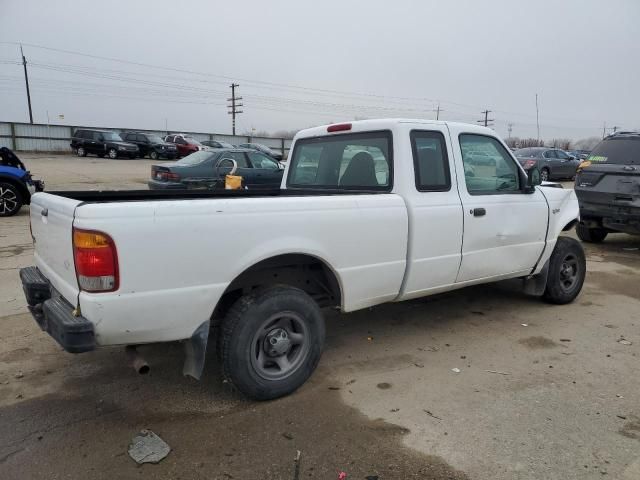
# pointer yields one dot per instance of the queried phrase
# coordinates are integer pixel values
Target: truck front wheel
(271, 342)
(567, 269)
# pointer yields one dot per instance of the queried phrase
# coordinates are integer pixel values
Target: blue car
(16, 184)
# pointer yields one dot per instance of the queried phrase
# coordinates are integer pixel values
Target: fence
(38, 137)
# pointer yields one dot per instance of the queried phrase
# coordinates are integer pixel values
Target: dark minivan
(151, 144)
(101, 143)
(608, 188)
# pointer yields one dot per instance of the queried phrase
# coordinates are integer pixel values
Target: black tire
(153, 155)
(251, 360)
(81, 152)
(545, 176)
(10, 200)
(112, 153)
(567, 270)
(591, 235)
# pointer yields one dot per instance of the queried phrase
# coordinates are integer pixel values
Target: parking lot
(542, 391)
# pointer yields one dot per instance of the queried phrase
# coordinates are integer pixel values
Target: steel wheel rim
(153, 155)
(8, 200)
(544, 175)
(113, 153)
(81, 152)
(569, 270)
(274, 356)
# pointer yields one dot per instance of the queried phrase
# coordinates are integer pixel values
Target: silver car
(552, 163)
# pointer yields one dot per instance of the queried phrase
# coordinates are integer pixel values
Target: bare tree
(561, 143)
(531, 142)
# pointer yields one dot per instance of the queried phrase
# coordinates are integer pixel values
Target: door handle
(478, 212)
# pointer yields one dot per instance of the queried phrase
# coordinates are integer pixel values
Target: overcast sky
(302, 63)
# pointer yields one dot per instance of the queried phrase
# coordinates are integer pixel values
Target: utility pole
(26, 82)
(509, 128)
(615, 129)
(486, 118)
(604, 129)
(537, 120)
(438, 110)
(234, 107)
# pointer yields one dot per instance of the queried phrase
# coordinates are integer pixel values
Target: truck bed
(102, 196)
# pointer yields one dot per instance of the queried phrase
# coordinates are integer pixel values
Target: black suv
(608, 188)
(101, 143)
(151, 144)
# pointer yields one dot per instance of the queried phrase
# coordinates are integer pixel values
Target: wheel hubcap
(544, 175)
(8, 200)
(280, 346)
(569, 272)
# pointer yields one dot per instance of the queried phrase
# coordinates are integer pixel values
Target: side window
(488, 167)
(260, 160)
(97, 136)
(346, 161)
(168, 138)
(141, 138)
(430, 161)
(127, 137)
(562, 155)
(180, 141)
(239, 157)
(550, 154)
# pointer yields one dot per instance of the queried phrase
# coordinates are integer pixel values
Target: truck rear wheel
(591, 235)
(271, 341)
(567, 269)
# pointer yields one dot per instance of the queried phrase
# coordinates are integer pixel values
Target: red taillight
(164, 175)
(96, 261)
(528, 164)
(339, 127)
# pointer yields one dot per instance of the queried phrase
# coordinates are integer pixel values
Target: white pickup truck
(368, 212)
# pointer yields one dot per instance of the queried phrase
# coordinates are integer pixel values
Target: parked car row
(106, 143)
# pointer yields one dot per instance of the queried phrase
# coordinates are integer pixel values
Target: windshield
(226, 145)
(618, 150)
(112, 137)
(154, 139)
(348, 161)
(195, 158)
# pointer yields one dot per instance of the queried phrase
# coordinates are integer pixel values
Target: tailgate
(51, 226)
(609, 186)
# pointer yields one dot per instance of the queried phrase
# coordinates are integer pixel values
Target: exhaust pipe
(136, 360)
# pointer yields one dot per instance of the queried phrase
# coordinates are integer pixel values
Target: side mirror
(571, 157)
(533, 179)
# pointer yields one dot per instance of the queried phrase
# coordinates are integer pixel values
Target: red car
(185, 144)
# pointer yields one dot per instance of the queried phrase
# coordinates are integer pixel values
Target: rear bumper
(156, 185)
(54, 314)
(613, 217)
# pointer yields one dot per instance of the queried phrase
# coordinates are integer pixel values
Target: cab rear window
(353, 161)
(617, 150)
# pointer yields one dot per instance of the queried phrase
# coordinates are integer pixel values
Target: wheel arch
(306, 271)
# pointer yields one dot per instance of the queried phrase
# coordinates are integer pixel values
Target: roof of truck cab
(389, 123)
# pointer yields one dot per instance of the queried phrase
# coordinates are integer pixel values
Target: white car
(368, 212)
